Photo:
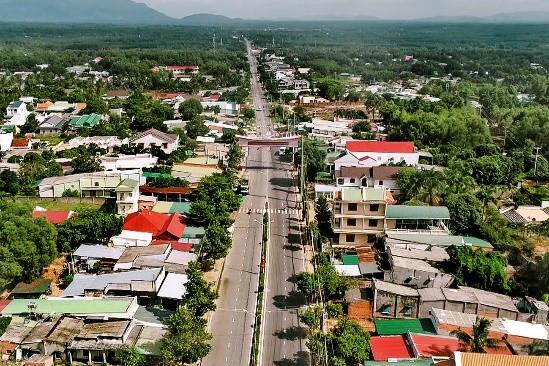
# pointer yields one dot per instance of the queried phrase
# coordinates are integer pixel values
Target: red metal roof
(381, 146)
(162, 226)
(384, 348)
(180, 247)
(52, 216)
(3, 304)
(429, 346)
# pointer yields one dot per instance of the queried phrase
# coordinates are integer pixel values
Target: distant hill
(519, 17)
(80, 11)
(206, 19)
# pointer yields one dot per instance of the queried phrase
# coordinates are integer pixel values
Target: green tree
(323, 216)
(351, 342)
(479, 341)
(311, 317)
(85, 161)
(9, 182)
(234, 156)
(477, 268)
(331, 88)
(214, 200)
(313, 158)
(187, 340)
(216, 242)
(195, 128)
(31, 125)
(465, 212)
(248, 113)
(132, 357)
(89, 226)
(190, 109)
(199, 297)
(28, 244)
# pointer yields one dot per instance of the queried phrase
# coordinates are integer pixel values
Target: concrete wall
(426, 306)
(397, 303)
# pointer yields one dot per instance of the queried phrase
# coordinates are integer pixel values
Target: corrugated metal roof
(483, 359)
(69, 306)
(403, 326)
(395, 347)
(394, 288)
(98, 251)
(417, 212)
(350, 259)
(173, 286)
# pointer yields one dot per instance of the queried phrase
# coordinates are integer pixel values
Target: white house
(128, 238)
(5, 141)
(228, 108)
(301, 85)
(369, 177)
(17, 107)
(127, 197)
(104, 142)
(167, 142)
(376, 153)
(125, 162)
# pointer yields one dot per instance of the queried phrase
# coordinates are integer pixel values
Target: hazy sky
(392, 9)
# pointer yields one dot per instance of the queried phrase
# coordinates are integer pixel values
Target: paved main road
(232, 323)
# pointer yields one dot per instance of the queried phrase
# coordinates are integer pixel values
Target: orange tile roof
(483, 359)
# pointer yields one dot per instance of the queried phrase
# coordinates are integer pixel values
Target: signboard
(245, 141)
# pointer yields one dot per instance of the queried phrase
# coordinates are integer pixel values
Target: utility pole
(536, 162)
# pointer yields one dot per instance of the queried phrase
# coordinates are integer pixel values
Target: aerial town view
(261, 183)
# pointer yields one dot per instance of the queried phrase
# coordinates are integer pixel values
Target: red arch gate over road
(245, 141)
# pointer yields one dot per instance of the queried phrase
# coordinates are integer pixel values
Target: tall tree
(479, 341)
(216, 242)
(234, 156)
(187, 340)
(190, 109)
(323, 216)
(199, 297)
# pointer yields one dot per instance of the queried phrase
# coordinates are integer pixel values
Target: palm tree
(479, 341)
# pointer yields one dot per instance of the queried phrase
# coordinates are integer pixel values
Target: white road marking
(229, 345)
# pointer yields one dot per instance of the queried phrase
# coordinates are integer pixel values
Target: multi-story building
(359, 215)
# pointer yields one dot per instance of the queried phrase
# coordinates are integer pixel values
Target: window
(350, 238)
(351, 222)
(372, 223)
(352, 180)
(96, 184)
(407, 311)
(364, 182)
(352, 207)
(374, 208)
(380, 183)
(337, 222)
(386, 309)
(164, 145)
(379, 158)
(340, 181)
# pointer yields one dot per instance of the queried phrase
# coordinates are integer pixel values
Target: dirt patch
(541, 245)
(54, 272)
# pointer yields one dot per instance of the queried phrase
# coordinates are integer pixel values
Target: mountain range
(131, 12)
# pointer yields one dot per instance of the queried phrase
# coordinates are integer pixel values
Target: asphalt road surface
(283, 338)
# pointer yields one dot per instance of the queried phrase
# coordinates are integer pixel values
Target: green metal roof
(417, 212)
(476, 242)
(156, 175)
(172, 207)
(402, 326)
(400, 363)
(194, 232)
(127, 185)
(348, 259)
(87, 120)
(68, 306)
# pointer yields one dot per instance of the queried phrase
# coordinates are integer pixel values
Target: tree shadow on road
(301, 359)
(293, 299)
(292, 333)
(282, 182)
(292, 247)
(293, 238)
